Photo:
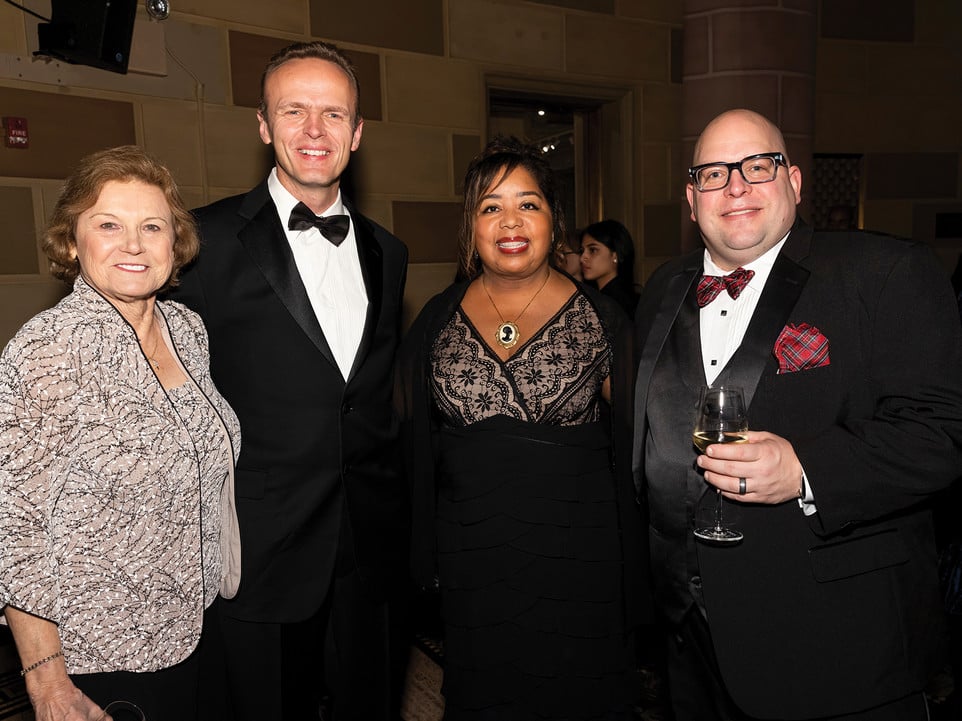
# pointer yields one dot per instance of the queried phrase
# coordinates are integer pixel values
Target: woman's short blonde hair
(80, 192)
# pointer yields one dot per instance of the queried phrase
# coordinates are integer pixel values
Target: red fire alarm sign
(15, 133)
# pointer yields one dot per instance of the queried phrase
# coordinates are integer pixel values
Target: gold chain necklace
(508, 334)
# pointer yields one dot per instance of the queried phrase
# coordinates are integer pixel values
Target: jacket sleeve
(909, 444)
(30, 449)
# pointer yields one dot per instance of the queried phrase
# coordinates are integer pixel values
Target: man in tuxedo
(303, 317)
(847, 346)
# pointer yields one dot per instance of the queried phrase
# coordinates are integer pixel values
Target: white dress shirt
(724, 322)
(331, 274)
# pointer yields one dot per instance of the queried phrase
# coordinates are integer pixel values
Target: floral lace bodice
(555, 377)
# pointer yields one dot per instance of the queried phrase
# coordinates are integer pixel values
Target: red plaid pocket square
(800, 347)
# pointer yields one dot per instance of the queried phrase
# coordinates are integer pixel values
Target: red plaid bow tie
(711, 285)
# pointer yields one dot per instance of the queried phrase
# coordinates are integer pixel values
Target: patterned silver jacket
(109, 511)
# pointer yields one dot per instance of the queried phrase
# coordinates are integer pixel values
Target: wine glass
(122, 711)
(721, 418)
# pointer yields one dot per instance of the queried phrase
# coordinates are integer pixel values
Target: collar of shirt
(331, 276)
(723, 322)
(285, 202)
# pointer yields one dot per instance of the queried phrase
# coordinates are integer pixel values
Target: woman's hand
(52, 693)
(60, 700)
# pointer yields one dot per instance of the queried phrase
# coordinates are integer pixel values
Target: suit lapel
(781, 292)
(372, 270)
(675, 291)
(263, 238)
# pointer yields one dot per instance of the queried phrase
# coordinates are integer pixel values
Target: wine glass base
(712, 534)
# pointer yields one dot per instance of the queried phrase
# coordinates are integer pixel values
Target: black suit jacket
(838, 611)
(317, 481)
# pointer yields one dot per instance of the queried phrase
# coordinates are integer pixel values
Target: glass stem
(718, 509)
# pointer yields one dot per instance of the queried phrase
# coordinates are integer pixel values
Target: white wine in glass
(721, 418)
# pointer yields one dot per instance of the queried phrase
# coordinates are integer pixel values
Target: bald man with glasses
(848, 348)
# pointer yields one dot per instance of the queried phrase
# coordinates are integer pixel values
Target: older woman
(115, 450)
(535, 542)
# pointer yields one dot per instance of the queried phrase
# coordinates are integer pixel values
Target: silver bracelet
(41, 662)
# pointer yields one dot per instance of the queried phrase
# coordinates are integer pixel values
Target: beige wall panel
(18, 246)
(377, 209)
(841, 67)
(796, 114)
(172, 133)
(938, 21)
(897, 176)
(696, 55)
(193, 196)
(464, 148)
(425, 280)
(853, 124)
(93, 125)
(506, 34)
(758, 92)
(784, 41)
(661, 112)
(19, 302)
(662, 229)
(415, 25)
(656, 173)
(615, 48)
(249, 55)
(402, 160)
(430, 230)
(287, 15)
(593, 6)
(433, 91)
(697, 6)
(147, 46)
(914, 70)
(12, 33)
(658, 10)
(219, 193)
(203, 52)
(235, 154)
(889, 216)
(49, 193)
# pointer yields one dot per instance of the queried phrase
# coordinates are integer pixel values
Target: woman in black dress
(535, 540)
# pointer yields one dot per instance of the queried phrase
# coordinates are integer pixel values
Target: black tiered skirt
(530, 569)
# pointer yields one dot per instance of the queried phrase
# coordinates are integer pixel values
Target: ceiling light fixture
(157, 9)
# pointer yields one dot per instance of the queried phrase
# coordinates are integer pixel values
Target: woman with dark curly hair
(514, 390)
(116, 458)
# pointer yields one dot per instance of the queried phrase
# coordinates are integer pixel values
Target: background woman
(608, 260)
(115, 448)
(517, 512)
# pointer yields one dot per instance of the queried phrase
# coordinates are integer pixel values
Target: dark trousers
(166, 695)
(340, 658)
(698, 693)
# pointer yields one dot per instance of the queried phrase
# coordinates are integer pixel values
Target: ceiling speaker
(89, 32)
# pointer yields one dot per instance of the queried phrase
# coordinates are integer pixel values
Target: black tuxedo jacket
(317, 482)
(838, 611)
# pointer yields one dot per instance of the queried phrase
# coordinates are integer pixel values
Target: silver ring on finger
(742, 486)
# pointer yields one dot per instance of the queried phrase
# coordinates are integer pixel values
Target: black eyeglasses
(760, 168)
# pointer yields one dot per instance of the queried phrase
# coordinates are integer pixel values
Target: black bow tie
(332, 227)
